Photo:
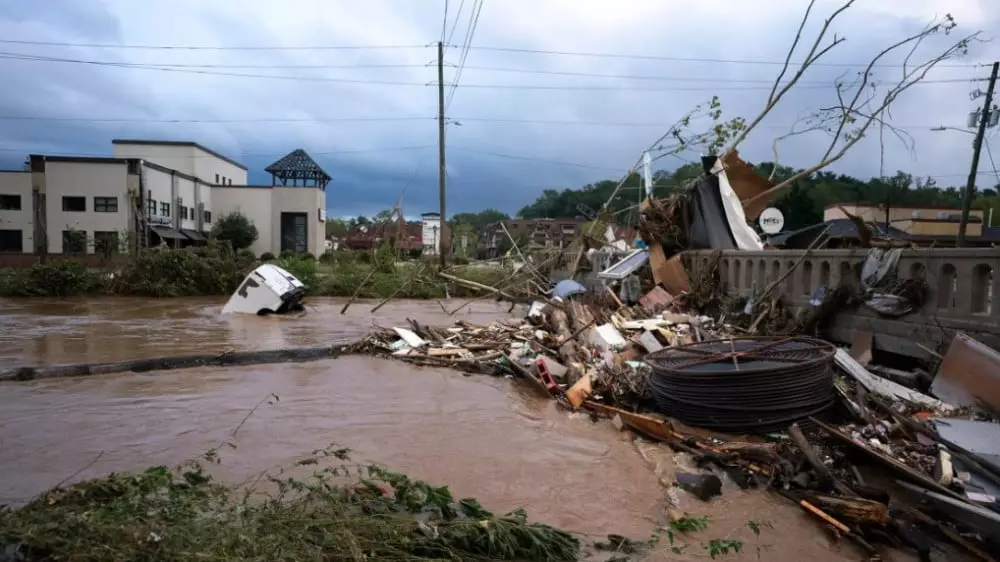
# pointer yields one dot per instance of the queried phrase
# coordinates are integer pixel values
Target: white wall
(180, 158)
(204, 193)
(18, 183)
(308, 200)
(264, 205)
(186, 159)
(158, 188)
(255, 203)
(185, 191)
(207, 166)
(88, 180)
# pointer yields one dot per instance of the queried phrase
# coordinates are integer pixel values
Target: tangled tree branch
(858, 104)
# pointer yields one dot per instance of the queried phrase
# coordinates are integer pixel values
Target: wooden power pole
(977, 147)
(441, 159)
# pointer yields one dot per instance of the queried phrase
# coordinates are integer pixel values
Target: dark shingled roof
(297, 165)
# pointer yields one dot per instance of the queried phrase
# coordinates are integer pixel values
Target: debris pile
(739, 386)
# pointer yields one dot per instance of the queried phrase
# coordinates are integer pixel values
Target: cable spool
(744, 385)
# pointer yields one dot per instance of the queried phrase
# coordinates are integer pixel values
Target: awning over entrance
(194, 235)
(168, 233)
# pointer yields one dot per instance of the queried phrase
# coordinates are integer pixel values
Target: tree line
(802, 203)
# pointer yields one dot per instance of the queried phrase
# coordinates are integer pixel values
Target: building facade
(149, 193)
(17, 223)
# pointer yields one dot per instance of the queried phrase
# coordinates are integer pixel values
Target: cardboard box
(669, 273)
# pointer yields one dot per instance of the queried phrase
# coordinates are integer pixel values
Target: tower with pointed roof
(295, 166)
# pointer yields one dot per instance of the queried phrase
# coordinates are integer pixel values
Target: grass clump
(183, 514)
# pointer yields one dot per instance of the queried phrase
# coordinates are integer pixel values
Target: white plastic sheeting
(743, 235)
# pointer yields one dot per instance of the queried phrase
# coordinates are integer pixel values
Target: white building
(157, 192)
(17, 224)
(430, 233)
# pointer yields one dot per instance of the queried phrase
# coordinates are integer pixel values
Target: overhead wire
(211, 47)
(481, 48)
(454, 85)
(704, 60)
(475, 12)
(454, 25)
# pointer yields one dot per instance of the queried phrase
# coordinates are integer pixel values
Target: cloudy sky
(354, 84)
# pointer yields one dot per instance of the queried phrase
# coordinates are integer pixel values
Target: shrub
(286, 254)
(64, 278)
(267, 256)
(328, 257)
(461, 260)
(246, 254)
(308, 256)
(302, 268)
(162, 272)
(235, 228)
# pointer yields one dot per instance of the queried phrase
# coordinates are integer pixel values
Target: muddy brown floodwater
(484, 437)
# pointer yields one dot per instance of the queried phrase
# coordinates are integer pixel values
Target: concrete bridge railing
(962, 284)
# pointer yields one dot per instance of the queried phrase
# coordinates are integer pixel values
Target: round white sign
(771, 220)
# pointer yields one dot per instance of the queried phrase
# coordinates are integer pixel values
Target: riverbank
(341, 511)
(217, 271)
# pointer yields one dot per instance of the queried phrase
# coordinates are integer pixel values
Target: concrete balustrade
(961, 283)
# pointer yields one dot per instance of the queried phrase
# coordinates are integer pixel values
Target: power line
(477, 8)
(158, 65)
(533, 159)
(702, 60)
(34, 58)
(242, 155)
(454, 85)
(444, 21)
(458, 16)
(259, 120)
(212, 48)
(251, 120)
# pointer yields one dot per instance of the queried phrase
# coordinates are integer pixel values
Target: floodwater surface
(484, 437)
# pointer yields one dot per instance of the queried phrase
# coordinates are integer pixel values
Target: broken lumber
(476, 285)
(822, 471)
(857, 510)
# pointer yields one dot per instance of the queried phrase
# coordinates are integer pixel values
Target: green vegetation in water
(183, 514)
(216, 270)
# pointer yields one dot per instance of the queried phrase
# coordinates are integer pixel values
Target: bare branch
(791, 51)
(863, 109)
(815, 53)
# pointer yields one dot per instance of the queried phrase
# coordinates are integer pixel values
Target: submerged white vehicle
(268, 289)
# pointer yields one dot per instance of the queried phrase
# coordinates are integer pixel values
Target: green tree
(237, 229)
(336, 227)
(477, 221)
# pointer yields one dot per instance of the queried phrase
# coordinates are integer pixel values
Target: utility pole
(441, 160)
(977, 147)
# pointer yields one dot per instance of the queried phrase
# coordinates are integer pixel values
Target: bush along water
(341, 512)
(217, 270)
(55, 279)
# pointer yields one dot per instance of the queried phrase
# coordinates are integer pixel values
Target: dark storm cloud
(370, 179)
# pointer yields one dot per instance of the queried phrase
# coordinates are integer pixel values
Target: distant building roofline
(146, 142)
(891, 206)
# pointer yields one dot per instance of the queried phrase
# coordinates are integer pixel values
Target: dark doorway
(294, 232)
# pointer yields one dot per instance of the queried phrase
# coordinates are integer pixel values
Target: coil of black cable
(744, 385)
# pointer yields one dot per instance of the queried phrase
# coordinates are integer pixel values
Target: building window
(216, 179)
(230, 181)
(105, 204)
(74, 204)
(11, 241)
(106, 243)
(10, 202)
(208, 216)
(74, 241)
(164, 209)
(151, 207)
